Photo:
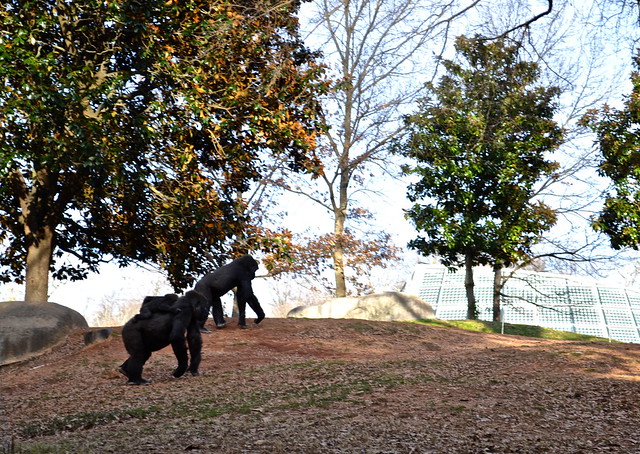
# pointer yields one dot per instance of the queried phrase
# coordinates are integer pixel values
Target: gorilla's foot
(142, 381)
(259, 319)
(221, 325)
(205, 331)
(243, 325)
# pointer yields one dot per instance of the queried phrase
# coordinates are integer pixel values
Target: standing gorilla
(179, 327)
(237, 274)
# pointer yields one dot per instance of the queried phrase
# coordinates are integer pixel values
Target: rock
(386, 306)
(333, 308)
(29, 329)
(96, 335)
(392, 306)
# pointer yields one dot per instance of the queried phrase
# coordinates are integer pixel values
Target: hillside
(331, 386)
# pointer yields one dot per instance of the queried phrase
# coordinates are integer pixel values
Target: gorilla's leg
(242, 309)
(217, 312)
(255, 306)
(203, 329)
(134, 367)
(244, 298)
(180, 350)
(132, 337)
(124, 368)
(218, 315)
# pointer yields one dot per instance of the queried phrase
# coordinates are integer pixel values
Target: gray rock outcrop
(29, 329)
(386, 306)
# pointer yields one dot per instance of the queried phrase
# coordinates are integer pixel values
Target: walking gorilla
(141, 337)
(237, 274)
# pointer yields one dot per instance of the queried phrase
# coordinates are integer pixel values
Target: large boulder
(29, 329)
(386, 306)
(332, 308)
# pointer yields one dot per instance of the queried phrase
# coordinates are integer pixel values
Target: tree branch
(525, 24)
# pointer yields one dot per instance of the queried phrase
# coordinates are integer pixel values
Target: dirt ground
(331, 386)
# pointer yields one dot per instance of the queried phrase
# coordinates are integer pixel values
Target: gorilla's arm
(179, 347)
(194, 341)
(180, 323)
(196, 306)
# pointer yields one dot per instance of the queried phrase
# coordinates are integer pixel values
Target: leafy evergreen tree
(480, 141)
(129, 128)
(619, 142)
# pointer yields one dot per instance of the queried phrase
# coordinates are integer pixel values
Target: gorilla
(153, 304)
(179, 327)
(237, 274)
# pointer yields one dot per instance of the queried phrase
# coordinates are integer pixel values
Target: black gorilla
(153, 304)
(143, 336)
(237, 274)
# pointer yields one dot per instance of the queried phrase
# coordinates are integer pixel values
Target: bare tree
(379, 54)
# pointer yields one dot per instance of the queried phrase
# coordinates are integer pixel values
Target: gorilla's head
(199, 304)
(248, 263)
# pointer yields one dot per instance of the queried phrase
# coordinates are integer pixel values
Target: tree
(617, 137)
(585, 49)
(130, 127)
(312, 259)
(375, 51)
(479, 141)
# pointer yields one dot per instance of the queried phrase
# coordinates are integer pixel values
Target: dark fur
(238, 274)
(142, 337)
(153, 304)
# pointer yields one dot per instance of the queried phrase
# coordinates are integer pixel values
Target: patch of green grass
(214, 412)
(82, 421)
(378, 328)
(321, 384)
(38, 448)
(320, 395)
(509, 328)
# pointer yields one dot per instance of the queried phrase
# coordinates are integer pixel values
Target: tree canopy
(129, 129)
(479, 141)
(617, 137)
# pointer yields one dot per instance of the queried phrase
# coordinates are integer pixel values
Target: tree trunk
(35, 217)
(340, 217)
(37, 272)
(472, 310)
(338, 257)
(235, 311)
(497, 288)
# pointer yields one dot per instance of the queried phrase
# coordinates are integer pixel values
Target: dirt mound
(331, 386)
